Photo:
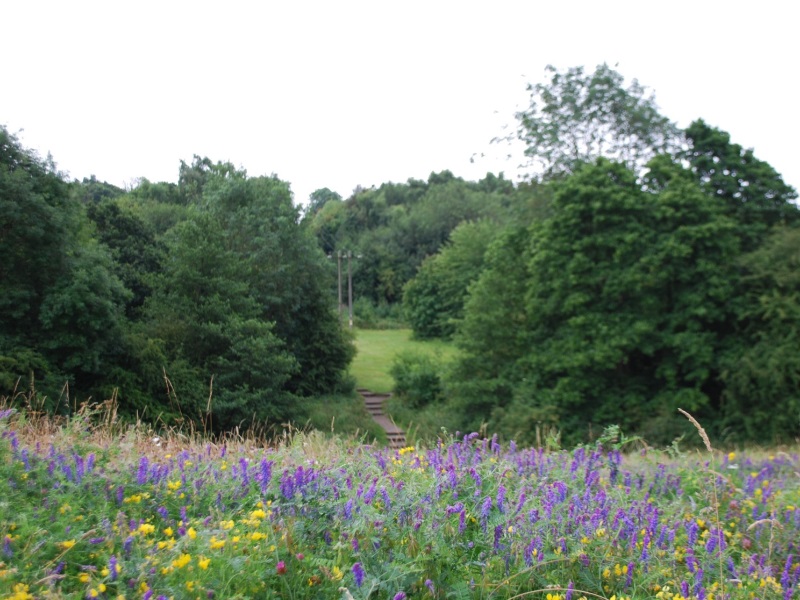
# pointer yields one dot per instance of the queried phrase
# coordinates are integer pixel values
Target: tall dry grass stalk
(715, 497)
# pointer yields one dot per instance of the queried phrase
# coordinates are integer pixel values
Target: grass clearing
(377, 350)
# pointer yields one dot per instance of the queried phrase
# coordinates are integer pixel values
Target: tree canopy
(576, 117)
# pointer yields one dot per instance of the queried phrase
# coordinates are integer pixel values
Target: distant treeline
(641, 269)
(207, 301)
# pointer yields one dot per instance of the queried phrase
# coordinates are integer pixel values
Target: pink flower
(281, 567)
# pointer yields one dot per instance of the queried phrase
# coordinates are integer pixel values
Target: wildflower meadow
(86, 512)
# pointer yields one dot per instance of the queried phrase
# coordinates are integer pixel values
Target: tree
(434, 299)
(61, 307)
(136, 252)
(492, 337)
(625, 309)
(761, 370)
(577, 117)
(318, 199)
(753, 191)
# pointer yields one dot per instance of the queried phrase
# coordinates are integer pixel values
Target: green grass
(377, 350)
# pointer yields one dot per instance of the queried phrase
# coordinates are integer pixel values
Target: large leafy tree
(626, 307)
(61, 307)
(578, 116)
(243, 299)
(492, 336)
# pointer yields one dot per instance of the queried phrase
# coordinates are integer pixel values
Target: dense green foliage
(395, 227)
(434, 298)
(630, 301)
(206, 301)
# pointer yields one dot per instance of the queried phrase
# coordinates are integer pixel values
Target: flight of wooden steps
(375, 406)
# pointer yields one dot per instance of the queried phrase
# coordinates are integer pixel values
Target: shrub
(417, 378)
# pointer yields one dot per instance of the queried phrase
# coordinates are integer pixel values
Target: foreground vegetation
(94, 510)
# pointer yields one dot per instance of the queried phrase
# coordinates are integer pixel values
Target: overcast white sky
(340, 93)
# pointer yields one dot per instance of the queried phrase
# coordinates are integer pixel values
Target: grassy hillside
(376, 352)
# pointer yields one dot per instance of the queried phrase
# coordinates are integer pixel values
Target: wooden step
(375, 405)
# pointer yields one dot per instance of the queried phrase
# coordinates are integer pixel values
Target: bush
(417, 378)
(368, 315)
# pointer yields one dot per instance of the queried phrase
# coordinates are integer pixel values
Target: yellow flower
(191, 532)
(227, 524)
(215, 543)
(66, 544)
(257, 535)
(182, 561)
(168, 532)
(146, 528)
(84, 578)
(21, 593)
(102, 587)
(258, 514)
(203, 563)
(337, 573)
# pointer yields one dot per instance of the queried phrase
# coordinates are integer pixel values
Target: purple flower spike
(570, 587)
(400, 596)
(358, 573)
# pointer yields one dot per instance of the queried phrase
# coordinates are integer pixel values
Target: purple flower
(147, 595)
(429, 585)
(265, 475)
(113, 567)
(400, 596)
(348, 509)
(358, 573)
(7, 551)
(370, 494)
(501, 496)
(141, 474)
(486, 507)
(570, 587)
